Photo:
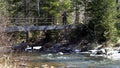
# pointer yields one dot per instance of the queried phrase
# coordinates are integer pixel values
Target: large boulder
(19, 47)
(54, 48)
(59, 47)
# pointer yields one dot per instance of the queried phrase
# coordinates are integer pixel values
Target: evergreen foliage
(102, 18)
(101, 15)
(3, 7)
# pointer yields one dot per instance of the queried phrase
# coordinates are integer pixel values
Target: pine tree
(102, 18)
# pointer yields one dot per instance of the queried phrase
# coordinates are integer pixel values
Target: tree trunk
(77, 14)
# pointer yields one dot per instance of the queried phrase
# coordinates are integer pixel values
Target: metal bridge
(34, 24)
(38, 28)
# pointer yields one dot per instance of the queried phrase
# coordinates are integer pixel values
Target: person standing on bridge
(64, 18)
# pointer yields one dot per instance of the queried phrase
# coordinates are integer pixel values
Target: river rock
(76, 51)
(19, 47)
(58, 47)
(33, 49)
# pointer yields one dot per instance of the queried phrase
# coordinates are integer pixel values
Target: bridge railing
(30, 21)
(29, 24)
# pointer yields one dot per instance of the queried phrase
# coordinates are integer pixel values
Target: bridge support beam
(27, 36)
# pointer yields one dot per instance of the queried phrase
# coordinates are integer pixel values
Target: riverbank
(55, 59)
(39, 60)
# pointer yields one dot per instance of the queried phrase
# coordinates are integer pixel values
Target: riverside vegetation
(96, 21)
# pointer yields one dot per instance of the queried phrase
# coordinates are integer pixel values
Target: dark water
(70, 61)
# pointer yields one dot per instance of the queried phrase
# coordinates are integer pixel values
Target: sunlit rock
(77, 51)
(31, 49)
(98, 53)
(114, 55)
(60, 53)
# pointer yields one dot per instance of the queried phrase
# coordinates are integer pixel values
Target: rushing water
(69, 61)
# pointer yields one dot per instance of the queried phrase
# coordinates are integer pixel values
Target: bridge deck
(38, 28)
